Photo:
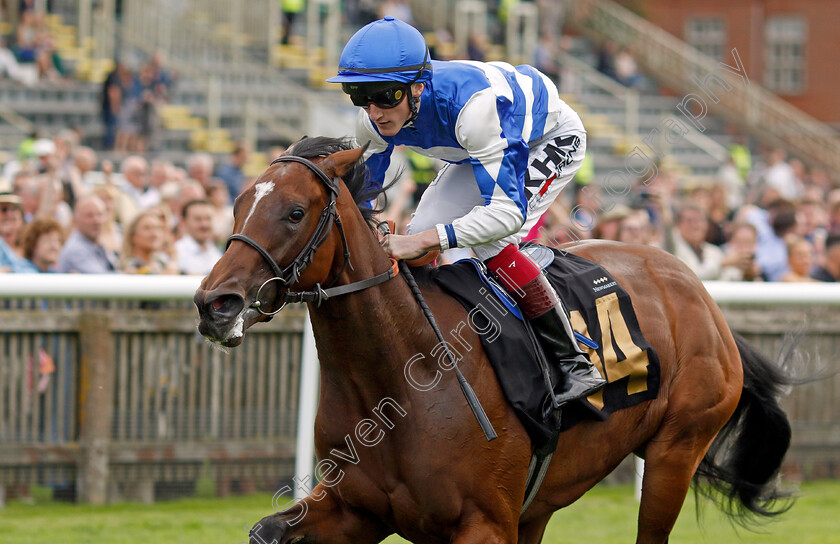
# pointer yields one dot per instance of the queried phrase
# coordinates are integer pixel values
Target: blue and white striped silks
(485, 114)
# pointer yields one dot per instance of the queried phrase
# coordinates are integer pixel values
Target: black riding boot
(541, 306)
(580, 378)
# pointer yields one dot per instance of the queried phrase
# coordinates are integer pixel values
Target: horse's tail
(741, 465)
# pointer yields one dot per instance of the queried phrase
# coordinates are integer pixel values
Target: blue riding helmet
(385, 50)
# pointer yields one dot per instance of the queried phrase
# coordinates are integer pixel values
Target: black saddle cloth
(600, 309)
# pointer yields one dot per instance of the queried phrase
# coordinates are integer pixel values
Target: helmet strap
(413, 102)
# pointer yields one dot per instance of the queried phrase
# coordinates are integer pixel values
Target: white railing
(138, 287)
(98, 286)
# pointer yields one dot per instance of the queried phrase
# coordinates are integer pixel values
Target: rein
(289, 275)
(386, 227)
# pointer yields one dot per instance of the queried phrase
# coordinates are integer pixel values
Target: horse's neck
(365, 338)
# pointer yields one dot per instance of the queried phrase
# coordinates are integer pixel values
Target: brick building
(791, 47)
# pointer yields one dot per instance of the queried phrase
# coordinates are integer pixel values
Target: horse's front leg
(319, 519)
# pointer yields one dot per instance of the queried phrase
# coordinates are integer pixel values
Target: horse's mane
(356, 178)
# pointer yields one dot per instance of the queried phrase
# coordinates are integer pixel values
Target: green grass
(605, 514)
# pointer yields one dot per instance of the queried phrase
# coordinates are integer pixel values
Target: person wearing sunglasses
(511, 145)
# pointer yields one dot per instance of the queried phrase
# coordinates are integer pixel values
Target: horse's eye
(296, 216)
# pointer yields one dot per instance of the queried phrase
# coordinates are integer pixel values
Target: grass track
(605, 515)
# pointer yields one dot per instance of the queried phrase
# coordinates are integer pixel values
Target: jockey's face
(389, 121)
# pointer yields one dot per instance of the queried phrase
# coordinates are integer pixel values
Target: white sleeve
(498, 165)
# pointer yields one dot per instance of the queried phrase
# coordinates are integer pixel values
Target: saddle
(602, 315)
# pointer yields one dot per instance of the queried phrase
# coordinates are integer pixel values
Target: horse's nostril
(227, 305)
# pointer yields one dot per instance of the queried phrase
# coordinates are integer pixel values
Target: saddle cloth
(599, 309)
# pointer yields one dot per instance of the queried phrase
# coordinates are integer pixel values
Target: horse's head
(285, 239)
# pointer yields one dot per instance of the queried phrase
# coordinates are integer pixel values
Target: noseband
(289, 276)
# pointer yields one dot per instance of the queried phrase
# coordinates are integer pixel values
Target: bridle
(289, 275)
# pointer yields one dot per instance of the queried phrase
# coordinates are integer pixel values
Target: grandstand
(237, 81)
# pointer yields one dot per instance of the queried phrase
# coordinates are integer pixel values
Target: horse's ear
(339, 163)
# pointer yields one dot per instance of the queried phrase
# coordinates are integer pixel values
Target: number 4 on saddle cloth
(600, 311)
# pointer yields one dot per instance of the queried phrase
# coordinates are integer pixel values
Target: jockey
(511, 145)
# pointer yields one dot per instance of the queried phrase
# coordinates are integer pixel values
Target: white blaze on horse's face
(261, 190)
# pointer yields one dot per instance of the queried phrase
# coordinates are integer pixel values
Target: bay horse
(396, 459)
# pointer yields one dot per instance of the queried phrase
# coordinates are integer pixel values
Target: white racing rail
(137, 287)
(134, 287)
(98, 286)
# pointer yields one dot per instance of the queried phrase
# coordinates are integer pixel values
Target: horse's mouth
(232, 343)
(225, 314)
(228, 334)
(226, 340)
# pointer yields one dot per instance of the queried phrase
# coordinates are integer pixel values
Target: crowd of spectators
(131, 93)
(64, 210)
(619, 64)
(130, 100)
(780, 223)
(728, 227)
(29, 54)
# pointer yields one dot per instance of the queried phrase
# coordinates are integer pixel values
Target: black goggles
(383, 98)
